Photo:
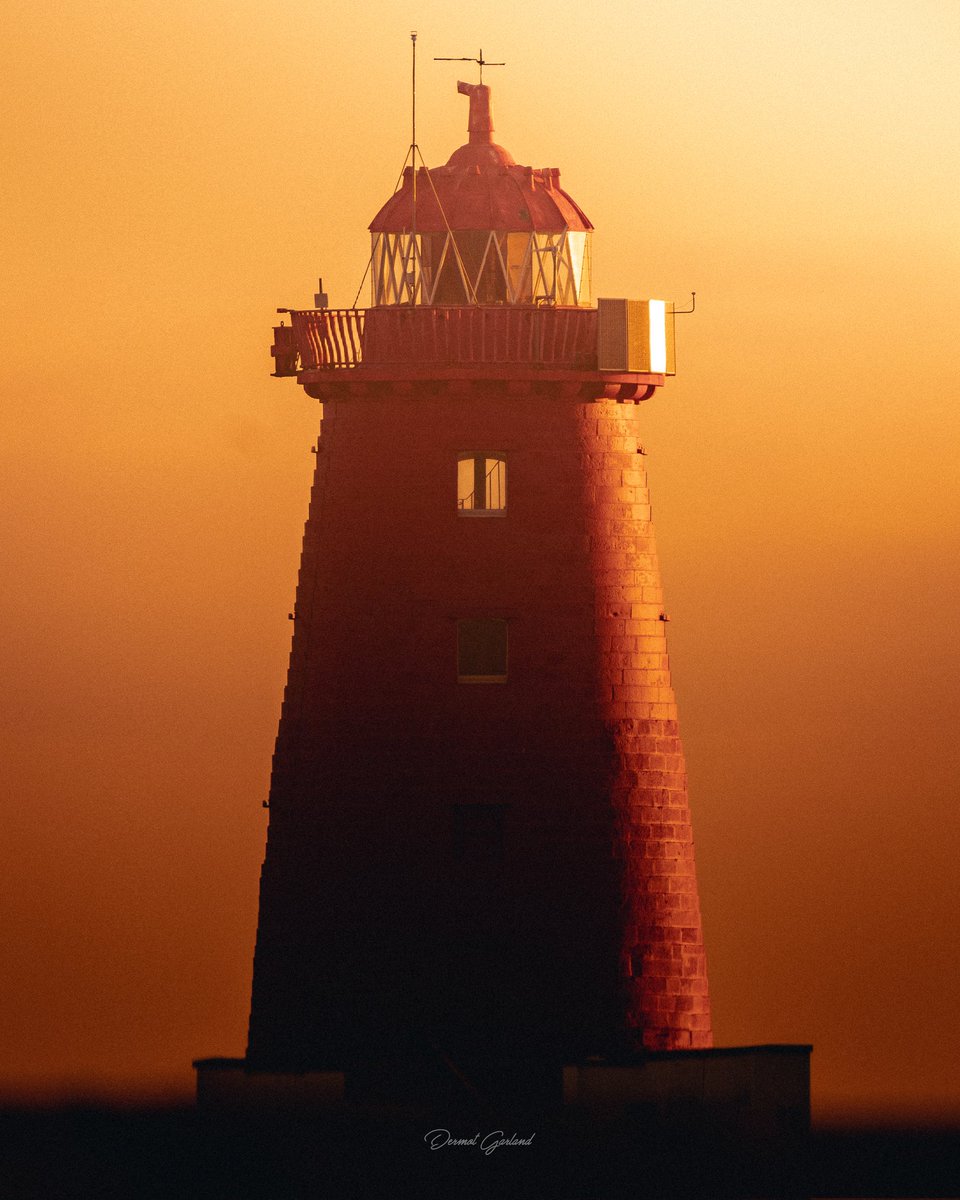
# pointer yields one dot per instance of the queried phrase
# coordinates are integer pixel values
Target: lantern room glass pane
(490, 284)
(450, 287)
(434, 253)
(545, 250)
(396, 268)
(518, 266)
(408, 272)
(577, 257)
(482, 267)
(585, 287)
(378, 269)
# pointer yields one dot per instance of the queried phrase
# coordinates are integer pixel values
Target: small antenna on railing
(413, 167)
(481, 62)
(692, 308)
(413, 88)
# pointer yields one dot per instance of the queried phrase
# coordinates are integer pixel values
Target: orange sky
(171, 176)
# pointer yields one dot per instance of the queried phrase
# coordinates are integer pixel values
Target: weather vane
(481, 61)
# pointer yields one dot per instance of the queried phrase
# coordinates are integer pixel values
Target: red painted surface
(341, 352)
(572, 927)
(587, 939)
(331, 339)
(663, 964)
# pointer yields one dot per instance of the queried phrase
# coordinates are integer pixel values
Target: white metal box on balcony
(636, 335)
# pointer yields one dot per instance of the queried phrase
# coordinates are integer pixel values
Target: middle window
(482, 651)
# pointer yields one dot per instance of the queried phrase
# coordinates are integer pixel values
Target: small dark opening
(482, 650)
(478, 833)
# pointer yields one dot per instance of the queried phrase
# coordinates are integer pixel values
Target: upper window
(482, 651)
(481, 483)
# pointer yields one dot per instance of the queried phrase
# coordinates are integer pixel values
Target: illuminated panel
(657, 313)
(635, 335)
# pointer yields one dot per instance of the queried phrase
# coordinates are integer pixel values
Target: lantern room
(481, 230)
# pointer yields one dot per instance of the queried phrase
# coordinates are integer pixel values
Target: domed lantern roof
(481, 230)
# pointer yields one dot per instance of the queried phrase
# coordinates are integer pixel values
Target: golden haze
(174, 176)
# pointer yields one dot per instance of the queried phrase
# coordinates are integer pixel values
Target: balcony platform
(335, 353)
(517, 380)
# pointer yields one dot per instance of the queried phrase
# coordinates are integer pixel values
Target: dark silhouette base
(79, 1151)
(671, 1124)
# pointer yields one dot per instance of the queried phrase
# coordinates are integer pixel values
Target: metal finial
(481, 62)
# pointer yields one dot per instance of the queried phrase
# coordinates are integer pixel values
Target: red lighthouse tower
(479, 896)
(479, 847)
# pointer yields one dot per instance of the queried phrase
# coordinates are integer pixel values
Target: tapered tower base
(483, 860)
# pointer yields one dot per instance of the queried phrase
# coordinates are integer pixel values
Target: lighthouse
(479, 895)
(479, 848)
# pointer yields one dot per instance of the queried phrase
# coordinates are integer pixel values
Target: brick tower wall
(663, 965)
(580, 932)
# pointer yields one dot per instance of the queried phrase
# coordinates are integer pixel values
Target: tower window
(481, 483)
(482, 651)
(478, 833)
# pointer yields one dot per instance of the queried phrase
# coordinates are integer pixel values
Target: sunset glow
(173, 177)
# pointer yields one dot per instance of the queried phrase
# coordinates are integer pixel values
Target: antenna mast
(413, 167)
